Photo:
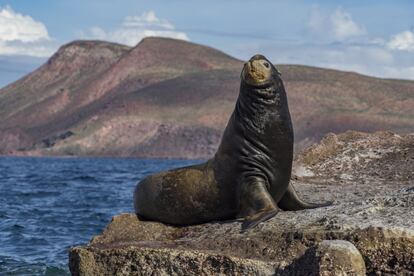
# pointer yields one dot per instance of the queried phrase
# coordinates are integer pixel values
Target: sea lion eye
(266, 64)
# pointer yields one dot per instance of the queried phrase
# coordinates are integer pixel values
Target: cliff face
(171, 98)
(369, 228)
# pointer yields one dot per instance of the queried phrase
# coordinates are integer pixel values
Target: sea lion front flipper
(291, 201)
(253, 221)
(256, 204)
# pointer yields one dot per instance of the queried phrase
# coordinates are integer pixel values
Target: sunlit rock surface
(368, 229)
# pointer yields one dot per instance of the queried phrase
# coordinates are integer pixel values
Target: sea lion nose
(248, 65)
(254, 65)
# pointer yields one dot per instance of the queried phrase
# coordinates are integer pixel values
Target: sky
(375, 38)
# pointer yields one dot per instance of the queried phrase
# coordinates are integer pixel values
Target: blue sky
(370, 37)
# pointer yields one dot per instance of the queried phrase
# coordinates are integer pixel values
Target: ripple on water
(51, 204)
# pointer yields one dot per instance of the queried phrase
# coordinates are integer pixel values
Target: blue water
(48, 205)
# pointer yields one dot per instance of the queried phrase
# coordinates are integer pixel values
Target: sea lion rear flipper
(291, 201)
(256, 204)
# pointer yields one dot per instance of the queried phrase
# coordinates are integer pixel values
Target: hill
(171, 98)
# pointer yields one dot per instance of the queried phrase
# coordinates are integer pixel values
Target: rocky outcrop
(359, 156)
(369, 228)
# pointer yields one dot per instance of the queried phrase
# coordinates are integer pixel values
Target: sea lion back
(183, 196)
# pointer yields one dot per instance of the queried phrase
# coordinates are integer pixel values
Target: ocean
(50, 204)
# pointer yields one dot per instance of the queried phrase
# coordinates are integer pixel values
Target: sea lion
(249, 175)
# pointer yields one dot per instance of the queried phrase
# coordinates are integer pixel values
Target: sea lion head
(259, 72)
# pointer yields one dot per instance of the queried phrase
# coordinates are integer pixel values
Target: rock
(372, 217)
(162, 261)
(339, 258)
(330, 257)
(382, 229)
(356, 155)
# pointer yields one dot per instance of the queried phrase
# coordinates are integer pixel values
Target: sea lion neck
(268, 95)
(257, 106)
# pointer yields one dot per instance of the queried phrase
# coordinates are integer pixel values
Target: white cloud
(336, 41)
(135, 28)
(22, 35)
(43, 49)
(370, 59)
(402, 41)
(146, 20)
(338, 25)
(97, 33)
(344, 26)
(17, 27)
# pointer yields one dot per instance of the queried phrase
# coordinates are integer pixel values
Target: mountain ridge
(91, 95)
